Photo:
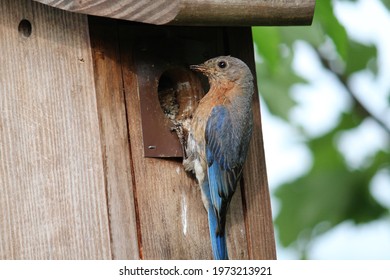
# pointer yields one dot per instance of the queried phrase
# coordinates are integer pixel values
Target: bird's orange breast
(219, 94)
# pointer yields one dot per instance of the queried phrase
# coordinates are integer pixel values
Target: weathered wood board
(52, 198)
(200, 12)
(115, 139)
(74, 182)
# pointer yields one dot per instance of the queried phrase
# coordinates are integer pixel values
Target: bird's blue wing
(222, 143)
(224, 157)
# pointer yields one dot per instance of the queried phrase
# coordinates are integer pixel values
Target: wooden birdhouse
(89, 93)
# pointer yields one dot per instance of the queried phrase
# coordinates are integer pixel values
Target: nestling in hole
(179, 92)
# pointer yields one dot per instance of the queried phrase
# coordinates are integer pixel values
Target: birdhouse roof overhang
(196, 12)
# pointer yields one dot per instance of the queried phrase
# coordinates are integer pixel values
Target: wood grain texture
(73, 179)
(53, 201)
(258, 215)
(245, 12)
(172, 220)
(114, 138)
(197, 12)
(146, 11)
(166, 198)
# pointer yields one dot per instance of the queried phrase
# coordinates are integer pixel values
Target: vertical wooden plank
(172, 220)
(258, 215)
(114, 137)
(52, 202)
(169, 218)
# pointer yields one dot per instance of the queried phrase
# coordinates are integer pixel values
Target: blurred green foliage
(331, 192)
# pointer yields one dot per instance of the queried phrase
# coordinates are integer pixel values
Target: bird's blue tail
(218, 240)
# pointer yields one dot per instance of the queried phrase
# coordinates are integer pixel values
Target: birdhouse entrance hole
(167, 108)
(168, 96)
(168, 90)
(179, 92)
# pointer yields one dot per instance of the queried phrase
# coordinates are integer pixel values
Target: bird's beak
(200, 68)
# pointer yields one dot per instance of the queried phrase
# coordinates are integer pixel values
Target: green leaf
(380, 161)
(274, 86)
(348, 121)
(359, 56)
(267, 40)
(386, 3)
(331, 26)
(328, 195)
(313, 34)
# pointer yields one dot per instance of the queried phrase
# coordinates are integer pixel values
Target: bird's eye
(222, 64)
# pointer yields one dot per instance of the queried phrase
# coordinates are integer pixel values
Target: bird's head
(224, 68)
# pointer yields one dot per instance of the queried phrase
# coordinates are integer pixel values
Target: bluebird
(218, 140)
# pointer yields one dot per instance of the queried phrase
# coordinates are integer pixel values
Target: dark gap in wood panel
(128, 51)
(94, 40)
(114, 133)
(137, 216)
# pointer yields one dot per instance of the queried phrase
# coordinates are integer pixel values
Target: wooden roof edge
(196, 12)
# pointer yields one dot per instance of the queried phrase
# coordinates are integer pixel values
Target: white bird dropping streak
(184, 214)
